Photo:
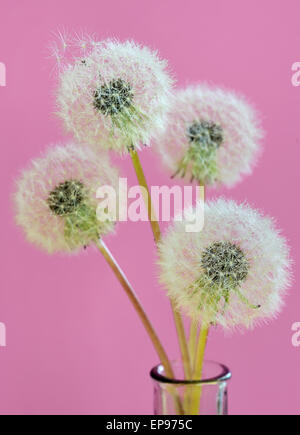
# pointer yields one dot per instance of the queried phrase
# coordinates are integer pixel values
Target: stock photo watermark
(295, 79)
(296, 76)
(168, 203)
(2, 325)
(2, 335)
(296, 335)
(2, 74)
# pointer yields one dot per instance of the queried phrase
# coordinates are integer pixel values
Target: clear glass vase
(207, 396)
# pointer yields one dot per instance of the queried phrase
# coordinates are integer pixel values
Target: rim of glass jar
(224, 376)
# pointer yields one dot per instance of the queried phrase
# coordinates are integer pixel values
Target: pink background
(74, 344)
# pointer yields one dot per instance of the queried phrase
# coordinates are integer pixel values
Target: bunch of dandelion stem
(192, 353)
(157, 234)
(186, 354)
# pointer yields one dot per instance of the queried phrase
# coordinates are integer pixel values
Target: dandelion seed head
(225, 264)
(114, 94)
(55, 199)
(233, 273)
(113, 98)
(213, 136)
(205, 134)
(66, 197)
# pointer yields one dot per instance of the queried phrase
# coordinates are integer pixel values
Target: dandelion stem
(202, 192)
(192, 345)
(197, 374)
(194, 324)
(199, 358)
(182, 343)
(146, 194)
(193, 342)
(137, 306)
(141, 313)
(196, 358)
(157, 234)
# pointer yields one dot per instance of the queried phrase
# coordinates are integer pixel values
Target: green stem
(200, 352)
(193, 342)
(141, 313)
(146, 194)
(197, 375)
(137, 305)
(185, 355)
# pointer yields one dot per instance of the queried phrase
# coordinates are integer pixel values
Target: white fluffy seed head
(233, 273)
(114, 94)
(213, 136)
(55, 199)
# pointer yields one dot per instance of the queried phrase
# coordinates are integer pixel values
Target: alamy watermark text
(296, 75)
(168, 203)
(2, 335)
(2, 74)
(296, 334)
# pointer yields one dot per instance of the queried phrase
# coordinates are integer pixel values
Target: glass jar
(178, 396)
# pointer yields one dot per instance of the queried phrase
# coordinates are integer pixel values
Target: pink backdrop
(74, 344)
